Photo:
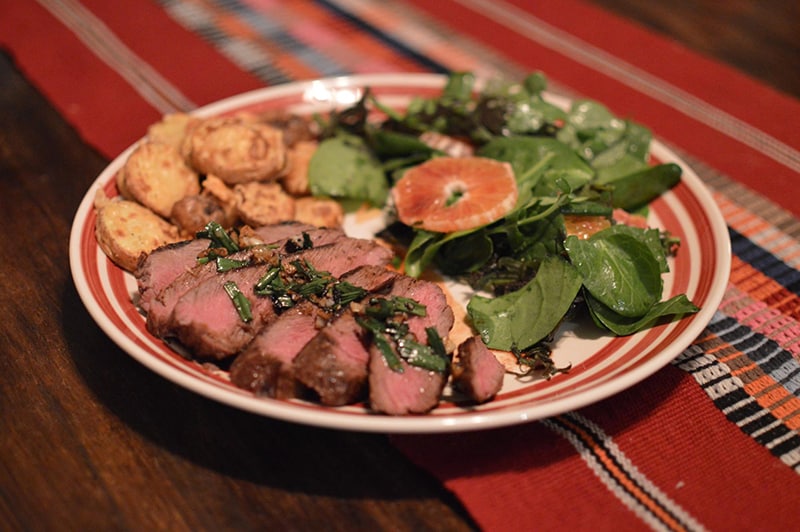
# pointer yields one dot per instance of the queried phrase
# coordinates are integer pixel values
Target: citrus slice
(449, 194)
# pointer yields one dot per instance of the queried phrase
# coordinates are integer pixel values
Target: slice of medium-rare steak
(163, 265)
(476, 371)
(438, 313)
(162, 306)
(346, 254)
(266, 365)
(334, 362)
(206, 321)
(409, 385)
(281, 237)
(413, 390)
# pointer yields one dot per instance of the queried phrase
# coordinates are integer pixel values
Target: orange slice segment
(449, 194)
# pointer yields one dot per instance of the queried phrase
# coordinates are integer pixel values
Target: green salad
(529, 271)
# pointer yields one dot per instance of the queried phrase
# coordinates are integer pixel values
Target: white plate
(601, 366)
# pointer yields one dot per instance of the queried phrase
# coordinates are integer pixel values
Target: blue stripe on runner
(778, 363)
(387, 39)
(765, 262)
(728, 392)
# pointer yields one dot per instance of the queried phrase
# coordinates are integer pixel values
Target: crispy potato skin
(263, 203)
(170, 130)
(125, 230)
(321, 212)
(237, 150)
(156, 176)
(295, 180)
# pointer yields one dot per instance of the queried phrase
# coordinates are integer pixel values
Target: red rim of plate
(700, 270)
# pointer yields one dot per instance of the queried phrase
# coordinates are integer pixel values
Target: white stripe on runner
(100, 40)
(611, 483)
(593, 57)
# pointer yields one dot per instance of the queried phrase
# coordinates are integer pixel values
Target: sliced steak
(162, 304)
(345, 255)
(265, 367)
(334, 362)
(438, 313)
(206, 321)
(162, 266)
(476, 371)
(412, 391)
(193, 320)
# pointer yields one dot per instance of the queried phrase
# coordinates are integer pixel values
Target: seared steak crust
(476, 371)
(265, 366)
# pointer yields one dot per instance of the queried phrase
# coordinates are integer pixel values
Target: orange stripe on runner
(620, 477)
(763, 288)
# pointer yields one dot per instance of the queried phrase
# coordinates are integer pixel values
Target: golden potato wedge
(295, 179)
(321, 212)
(235, 149)
(125, 230)
(156, 176)
(263, 203)
(170, 129)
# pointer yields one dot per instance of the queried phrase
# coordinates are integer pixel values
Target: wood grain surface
(92, 440)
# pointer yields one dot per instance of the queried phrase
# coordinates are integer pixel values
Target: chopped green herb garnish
(386, 319)
(345, 293)
(537, 359)
(383, 308)
(225, 264)
(240, 301)
(264, 285)
(378, 336)
(219, 237)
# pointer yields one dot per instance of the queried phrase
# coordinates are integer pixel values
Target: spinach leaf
(508, 109)
(520, 319)
(343, 167)
(421, 251)
(619, 269)
(614, 147)
(539, 164)
(606, 318)
(465, 254)
(395, 144)
(636, 190)
(426, 245)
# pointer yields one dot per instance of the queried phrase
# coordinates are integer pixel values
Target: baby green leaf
(521, 319)
(343, 167)
(619, 270)
(622, 326)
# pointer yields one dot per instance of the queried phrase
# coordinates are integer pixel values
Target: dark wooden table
(92, 440)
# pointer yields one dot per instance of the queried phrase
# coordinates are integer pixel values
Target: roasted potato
(125, 230)
(295, 179)
(263, 203)
(321, 212)
(171, 129)
(156, 176)
(236, 150)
